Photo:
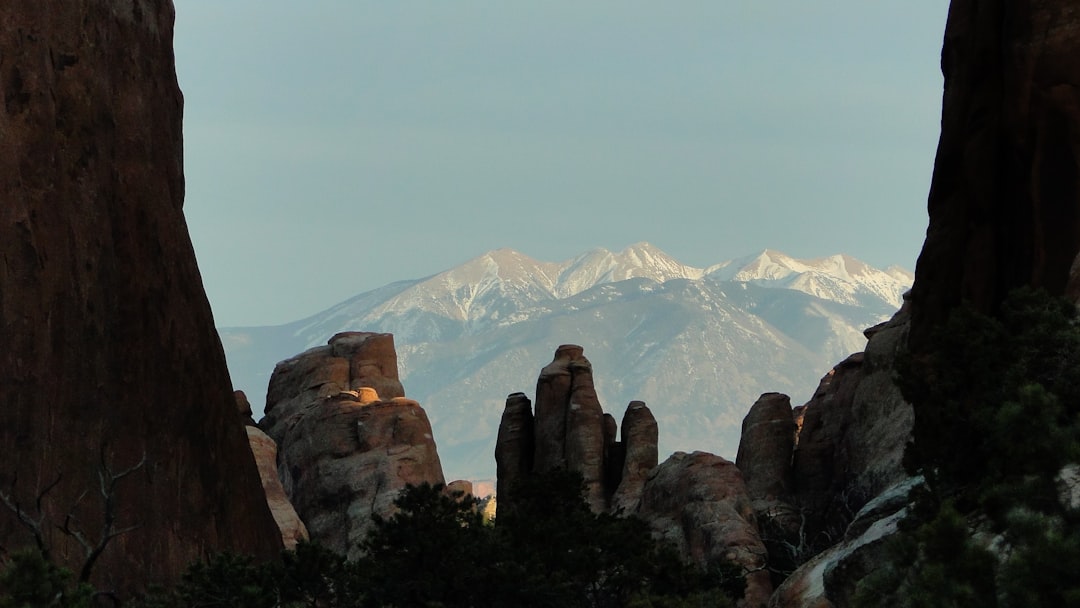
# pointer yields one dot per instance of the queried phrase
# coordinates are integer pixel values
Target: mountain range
(699, 345)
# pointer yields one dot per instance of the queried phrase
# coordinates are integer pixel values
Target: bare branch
(35, 526)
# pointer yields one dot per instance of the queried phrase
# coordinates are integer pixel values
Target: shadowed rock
(640, 435)
(108, 352)
(514, 446)
(553, 391)
(1003, 199)
(768, 437)
(699, 503)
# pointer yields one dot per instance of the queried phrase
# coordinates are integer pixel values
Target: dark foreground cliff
(109, 358)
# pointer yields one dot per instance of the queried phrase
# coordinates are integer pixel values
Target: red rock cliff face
(108, 342)
(1003, 201)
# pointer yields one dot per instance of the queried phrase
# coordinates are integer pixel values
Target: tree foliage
(997, 417)
(437, 550)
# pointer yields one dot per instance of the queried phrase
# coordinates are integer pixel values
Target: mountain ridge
(707, 341)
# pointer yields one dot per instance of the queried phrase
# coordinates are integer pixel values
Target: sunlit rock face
(1004, 198)
(265, 451)
(109, 355)
(346, 451)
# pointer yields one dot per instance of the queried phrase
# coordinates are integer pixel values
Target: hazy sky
(332, 147)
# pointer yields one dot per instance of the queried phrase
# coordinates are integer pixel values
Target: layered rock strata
(345, 450)
(109, 361)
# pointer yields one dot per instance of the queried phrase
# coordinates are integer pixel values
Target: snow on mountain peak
(839, 277)
(499, 286)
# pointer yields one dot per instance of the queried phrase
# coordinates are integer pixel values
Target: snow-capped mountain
(697, 344)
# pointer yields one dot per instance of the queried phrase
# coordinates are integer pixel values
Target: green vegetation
(997, 416)
(31, 581)
(438, 551)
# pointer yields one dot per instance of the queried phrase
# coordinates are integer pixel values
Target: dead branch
(107, 481)
(34, 525)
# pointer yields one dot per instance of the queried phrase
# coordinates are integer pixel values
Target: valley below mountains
(698, 345)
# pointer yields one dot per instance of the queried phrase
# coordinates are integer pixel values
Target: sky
(332, 147)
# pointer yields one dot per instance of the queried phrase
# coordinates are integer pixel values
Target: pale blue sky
(332, 147)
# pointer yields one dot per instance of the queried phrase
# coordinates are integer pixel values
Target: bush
(997, 415)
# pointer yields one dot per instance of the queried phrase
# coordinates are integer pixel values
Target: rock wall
(345, 450)
(110, 357)
(1003, 199)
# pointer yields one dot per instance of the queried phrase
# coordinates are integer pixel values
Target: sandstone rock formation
(699, 502)
(110, 357)
(570, 430)
(345, 449)
(848, 447)
(1003, 199)
(767, 440)
(265, 451)
(639, 456)
(514, 446)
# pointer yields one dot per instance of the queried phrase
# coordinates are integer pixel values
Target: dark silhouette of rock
(109, 354)
(699, 503)
(1003, 199)
(570, 430)
(553, 392)
(821, 461)
(345, 453)
(640, 436)
(514, 446)
(243, 407)
(765, 446)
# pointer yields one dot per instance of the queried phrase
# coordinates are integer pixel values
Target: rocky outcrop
(1003, 199)
(570, 430)
(639, 456)
(514, 446)
(767, 440)
(345, 450)
(829, 578)
(350, 361)
(848, 448)
(265, 451)
(699, 503)
(109, 354)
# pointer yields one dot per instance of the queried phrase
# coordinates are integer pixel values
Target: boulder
(699, 503)
(110, 360)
